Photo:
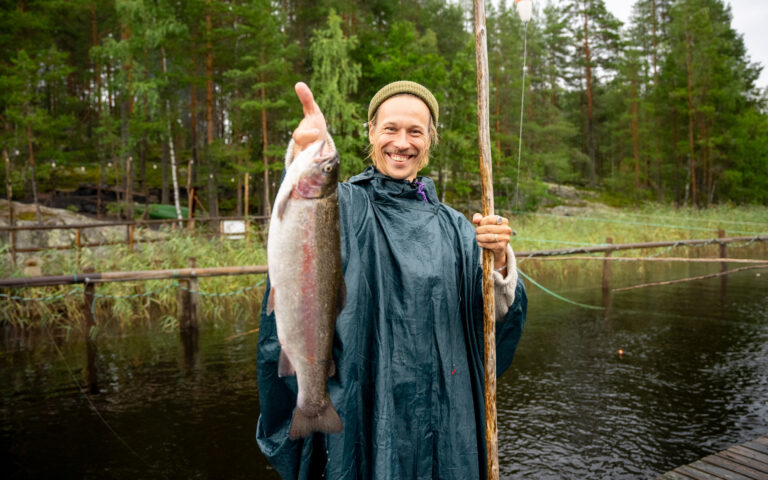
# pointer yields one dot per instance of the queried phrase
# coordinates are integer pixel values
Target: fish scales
(307, 286)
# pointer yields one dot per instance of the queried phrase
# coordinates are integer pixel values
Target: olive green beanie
(404, 86)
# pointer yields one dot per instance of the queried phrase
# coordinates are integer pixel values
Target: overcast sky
(750, 18)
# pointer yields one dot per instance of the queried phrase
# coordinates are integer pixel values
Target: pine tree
(597, 32)
(334, 80)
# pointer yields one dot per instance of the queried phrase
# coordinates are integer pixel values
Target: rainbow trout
(307, 286)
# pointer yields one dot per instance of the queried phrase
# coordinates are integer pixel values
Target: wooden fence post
(723, 265)
(188, 300)
(191, 209)
(131, 232)
(607, 273)
(13, 247)
(89, 323)
(78, 244)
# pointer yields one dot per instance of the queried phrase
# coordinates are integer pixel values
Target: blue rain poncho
(408, 346)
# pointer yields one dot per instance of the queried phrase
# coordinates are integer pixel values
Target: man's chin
(400, 170)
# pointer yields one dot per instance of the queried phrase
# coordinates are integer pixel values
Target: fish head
(319, 174)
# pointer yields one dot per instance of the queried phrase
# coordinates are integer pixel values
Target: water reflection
(693, 379)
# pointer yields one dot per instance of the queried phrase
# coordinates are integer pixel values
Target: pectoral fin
(282, 204)
(284, 366)
(271, 301)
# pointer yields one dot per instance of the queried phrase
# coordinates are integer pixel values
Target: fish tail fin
(327, 421)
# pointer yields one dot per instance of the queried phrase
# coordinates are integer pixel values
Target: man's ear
(370, 132)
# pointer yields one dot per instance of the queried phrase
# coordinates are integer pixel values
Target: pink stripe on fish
(309, 311)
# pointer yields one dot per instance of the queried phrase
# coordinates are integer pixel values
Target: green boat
(159, 211)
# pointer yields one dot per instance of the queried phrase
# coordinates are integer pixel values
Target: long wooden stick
(486, 180)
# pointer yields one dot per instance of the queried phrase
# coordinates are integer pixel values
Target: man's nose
(401, 140)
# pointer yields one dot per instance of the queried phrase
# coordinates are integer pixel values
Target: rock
(25, 215)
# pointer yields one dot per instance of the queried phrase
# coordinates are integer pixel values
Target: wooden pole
(486, 181)
(191, 204)
(78, 244)
(607, 273)
(90, 345)
(724, 265)
(247, 222)
(188, 299)
(247, 182)
(131, 233)
(9, 194)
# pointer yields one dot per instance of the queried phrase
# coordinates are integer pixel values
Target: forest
(175, 99)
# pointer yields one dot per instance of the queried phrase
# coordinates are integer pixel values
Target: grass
(131, 303)
(650, 223)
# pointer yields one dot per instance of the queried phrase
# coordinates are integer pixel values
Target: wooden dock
(748, 461)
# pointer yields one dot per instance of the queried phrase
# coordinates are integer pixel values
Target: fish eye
(328, 168)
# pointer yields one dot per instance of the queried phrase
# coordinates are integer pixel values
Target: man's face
(400, 138)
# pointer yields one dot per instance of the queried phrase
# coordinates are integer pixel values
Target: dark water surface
(693, 379)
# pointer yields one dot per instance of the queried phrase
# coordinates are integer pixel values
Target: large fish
(307, 286)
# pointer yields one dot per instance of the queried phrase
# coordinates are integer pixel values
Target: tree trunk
(590, 119)
(165, 196)
(678, 158)
(142, 177)
(8, 187)
(265, 157)
(689, 74)
(193, 138)
(213, 206)
(655, 45)
(635, 140)
(128, 188)
(97, 75)
(31, 147)
(659, 185)
(171, 151)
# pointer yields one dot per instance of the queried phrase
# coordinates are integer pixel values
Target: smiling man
(408, 384)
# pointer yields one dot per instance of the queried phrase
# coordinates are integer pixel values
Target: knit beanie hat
(404, 86)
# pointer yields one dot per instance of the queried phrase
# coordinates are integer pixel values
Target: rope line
(557, 296)
(522, 103)
(95, 410)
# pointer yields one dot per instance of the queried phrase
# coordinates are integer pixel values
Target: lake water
(692, 380)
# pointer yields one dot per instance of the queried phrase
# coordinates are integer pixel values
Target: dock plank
(718, 472)
(757, 446)
(696, 473)
(748, 461)
(674, 476)
(725, 462)
(761, 467)
(754, 455)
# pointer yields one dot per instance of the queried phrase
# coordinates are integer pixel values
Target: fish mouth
(325, 157)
